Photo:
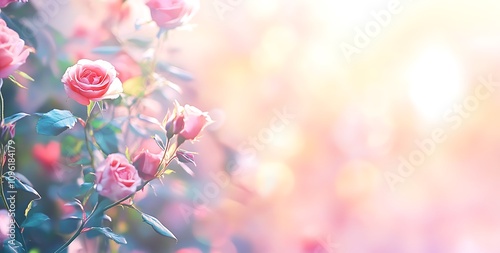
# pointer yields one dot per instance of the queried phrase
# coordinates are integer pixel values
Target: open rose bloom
(13, 52)
(92, 81)
(116, 177)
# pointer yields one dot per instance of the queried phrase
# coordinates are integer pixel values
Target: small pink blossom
(116, 177)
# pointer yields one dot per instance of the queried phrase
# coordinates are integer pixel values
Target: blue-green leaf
(106, 139)
(159, 141)
(14, 118)
(35, 220)
(175, 71)
(55, 122)
(22, 186)
(13, 246)
(109, 234)
(157, 226)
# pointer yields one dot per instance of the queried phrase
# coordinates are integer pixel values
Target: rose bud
(13, 52)
(116, 177)
(169, 14)
(174, 121)
(147, 164)
(194, 121)
(91, 81)
(185, 156)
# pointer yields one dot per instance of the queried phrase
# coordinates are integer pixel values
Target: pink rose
(147, 164)
(4, 3)
(4, 225)
(116, 177)
(170, 14)
(13, 53)
(91, 80)
(194, 121)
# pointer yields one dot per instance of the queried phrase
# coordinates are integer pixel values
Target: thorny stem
(82, 226)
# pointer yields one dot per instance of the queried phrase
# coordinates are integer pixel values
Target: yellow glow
(276, 45)
(288, 142)
(274, 179)
(261, 8)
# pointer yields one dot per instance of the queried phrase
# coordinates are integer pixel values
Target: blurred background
(340, 126)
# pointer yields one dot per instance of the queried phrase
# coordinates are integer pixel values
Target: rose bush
(91, 81)
(91, 159)
(13, 52)
(169, 14)
(116, 177)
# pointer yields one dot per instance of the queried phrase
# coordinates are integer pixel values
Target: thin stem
(87, 142)
(163, 158)
(143, 185)
(158, 49)
(86, 131)
(78, 232)
(2, 103)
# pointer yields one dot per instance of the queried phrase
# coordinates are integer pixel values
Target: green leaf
(25, 76)
(86, 189)
(89, 177)
(55, 122)
(12, 246)
(109, 234)
(159, 142)
(35, 220)
(13, 79)
(22, 186)
(98, 124)
(157, 226)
